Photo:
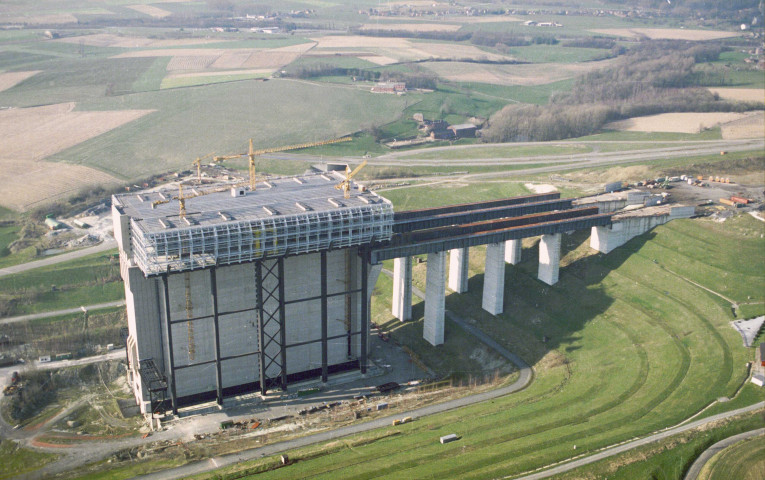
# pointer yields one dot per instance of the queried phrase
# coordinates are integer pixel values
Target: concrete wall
(605, 239)
(194, 341)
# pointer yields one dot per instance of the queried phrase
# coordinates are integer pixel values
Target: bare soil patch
(751, 126)
(540, 187)
(379, 59)
(32, 134)
(413, 27)
(666, 33)
(10, 79)
(119, 41)
(458, 52)
(524, 74)
(191, 62)
(675, 122)
(740, 94)
(152, 11)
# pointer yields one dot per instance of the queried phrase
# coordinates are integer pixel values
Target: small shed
(463, 130)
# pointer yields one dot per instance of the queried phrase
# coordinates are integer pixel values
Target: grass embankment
(744, 460)
(622, 346)
(84, 281)
(671, 458)
(17, 460)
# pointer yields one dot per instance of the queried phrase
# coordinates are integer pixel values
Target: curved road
(710, 452)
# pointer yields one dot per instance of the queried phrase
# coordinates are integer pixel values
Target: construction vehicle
(345, 185)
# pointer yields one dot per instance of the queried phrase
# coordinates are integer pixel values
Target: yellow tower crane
(345, 185)
(252, 153)
(198, 163)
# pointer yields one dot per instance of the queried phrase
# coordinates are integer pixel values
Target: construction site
(234, 288)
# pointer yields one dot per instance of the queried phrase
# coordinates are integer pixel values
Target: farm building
(390, 87)
(464, 130)
(245, 289)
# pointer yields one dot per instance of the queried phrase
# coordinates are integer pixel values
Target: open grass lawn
(536, 94)
(557, 54)
(221, 118)
(16, 460)
(85, 281)
(68, 80)
(631, 348)
(445, 194)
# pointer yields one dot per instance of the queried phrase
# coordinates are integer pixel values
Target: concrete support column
(402, 288)
(513, 251)
(458, 269)
(494, 279)
(435, 299)
(549, 258)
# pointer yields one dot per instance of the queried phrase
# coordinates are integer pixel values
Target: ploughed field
(632, 347)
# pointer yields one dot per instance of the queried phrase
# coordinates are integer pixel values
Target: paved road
(617, 449)
(551, 162)
(56, 313)
(710, 452)
(101, 247)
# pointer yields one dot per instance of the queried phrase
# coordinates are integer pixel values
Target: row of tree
(656, 77)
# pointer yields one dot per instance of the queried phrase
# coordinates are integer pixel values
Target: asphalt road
(56, 313)
(101, 247)
(710, 452)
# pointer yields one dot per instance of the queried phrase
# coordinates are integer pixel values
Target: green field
(85, 281)
(221, 118)
(505, 151)
(17, 460)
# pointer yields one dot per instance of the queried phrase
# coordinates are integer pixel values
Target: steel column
(169, 335)
(323, 281)
(282, 325)
(259, 304)
(364, 310)
(216, 335)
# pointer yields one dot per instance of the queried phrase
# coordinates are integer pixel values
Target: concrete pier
(402, 288)
(632, 224)
(494, 278)
(513, 251)
(458, 269)
(549, 258)
(435, 299)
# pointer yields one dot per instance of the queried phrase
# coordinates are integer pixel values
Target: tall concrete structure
(248, 290)
(435, 298)
(494, 278)
(459, 263)
(513, 251)
(549, 258)
(402, 288)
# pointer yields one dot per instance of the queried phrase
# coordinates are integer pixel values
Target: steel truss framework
(270, 314)
(196, 247)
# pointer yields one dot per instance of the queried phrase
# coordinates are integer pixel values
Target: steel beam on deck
(378, 254)
(479, 215)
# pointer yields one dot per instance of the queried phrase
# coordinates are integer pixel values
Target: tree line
(656, 77)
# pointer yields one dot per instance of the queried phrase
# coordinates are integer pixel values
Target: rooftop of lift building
(231, 223)
(221, 203)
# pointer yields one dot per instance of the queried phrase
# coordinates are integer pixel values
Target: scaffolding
(295, 215)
